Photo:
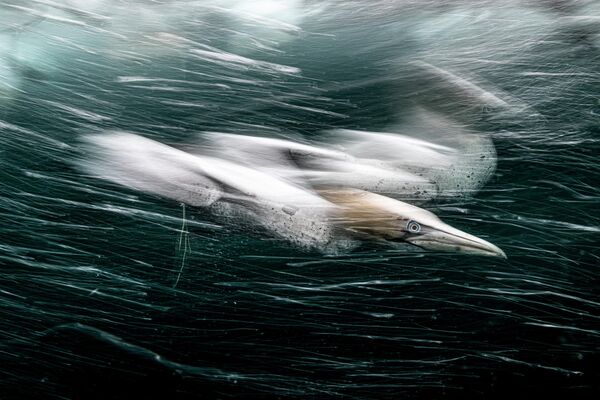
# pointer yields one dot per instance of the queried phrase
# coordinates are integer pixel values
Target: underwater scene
(299, 199)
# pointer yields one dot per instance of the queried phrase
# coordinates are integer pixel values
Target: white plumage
(311, 195)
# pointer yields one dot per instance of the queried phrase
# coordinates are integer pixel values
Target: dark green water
(88, 302)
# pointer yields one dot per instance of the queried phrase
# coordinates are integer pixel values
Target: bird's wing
(320, 166)
(287, 210)
(454, 159)
(147, 165)
(278, 157)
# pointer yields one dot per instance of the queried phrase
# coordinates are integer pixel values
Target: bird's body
(278, 194)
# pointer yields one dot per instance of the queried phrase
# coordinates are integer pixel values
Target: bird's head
(432, 234)
(381, 217)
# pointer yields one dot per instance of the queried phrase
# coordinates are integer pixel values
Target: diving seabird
(315, 216)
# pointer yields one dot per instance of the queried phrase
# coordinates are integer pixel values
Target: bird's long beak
(443, 237)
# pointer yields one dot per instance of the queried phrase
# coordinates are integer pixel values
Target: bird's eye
(413, 227)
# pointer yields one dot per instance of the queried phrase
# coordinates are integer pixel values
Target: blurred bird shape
(289, 188)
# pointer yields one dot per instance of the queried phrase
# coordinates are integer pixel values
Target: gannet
(323, 217)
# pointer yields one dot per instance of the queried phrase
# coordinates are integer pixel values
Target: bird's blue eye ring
(413, 227)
